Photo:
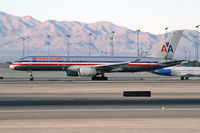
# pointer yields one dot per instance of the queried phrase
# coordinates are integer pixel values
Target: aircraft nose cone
(12, 67)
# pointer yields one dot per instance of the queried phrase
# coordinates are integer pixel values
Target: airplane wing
(170, 63)
(108, 67)
(117, 65)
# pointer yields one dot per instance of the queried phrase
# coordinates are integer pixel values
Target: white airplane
(95, 66)
(182, 71)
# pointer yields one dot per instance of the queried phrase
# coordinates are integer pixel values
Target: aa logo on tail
(167, 48)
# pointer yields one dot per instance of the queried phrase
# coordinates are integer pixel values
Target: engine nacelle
(73, 68)
(71, 73)
(87, 71)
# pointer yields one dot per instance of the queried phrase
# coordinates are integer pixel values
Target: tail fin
(167, 49)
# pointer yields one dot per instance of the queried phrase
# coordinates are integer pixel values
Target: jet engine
(72, 73)
(87, 71)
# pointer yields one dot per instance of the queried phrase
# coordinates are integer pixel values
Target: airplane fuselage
(181, 71)
(64, 63)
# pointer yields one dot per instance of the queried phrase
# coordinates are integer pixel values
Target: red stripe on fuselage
(53, 64)
(57, 64)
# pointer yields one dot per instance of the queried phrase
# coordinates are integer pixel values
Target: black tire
(105, 78)
(182, 78)
(186, 78)
(94, 78)
(31, 79)
(99, 78)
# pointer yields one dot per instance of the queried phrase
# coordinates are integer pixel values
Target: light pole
(146, 53)
(166, 32)
(23, 45)
(112, 43)
(111, 38)
(89, 45)
(101, 53)
(185, 55)
(48, 36)
(28, 44)
(68, 36)
(197, 46)
(189, 54)
(138, 43)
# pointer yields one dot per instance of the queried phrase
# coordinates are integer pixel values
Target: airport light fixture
(102, 53)
(189, 54)
(146, 53)
(112, 43)
(89, 43)
(68, 36)
(23, 45)
(48, 37)
(28, 44)
(195, 48)
(106, 53)
(138, 42)
(185, 55)
(197, 45)
(166, 28)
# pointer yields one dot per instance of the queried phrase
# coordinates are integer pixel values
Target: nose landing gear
(31, 75)
(184, 78)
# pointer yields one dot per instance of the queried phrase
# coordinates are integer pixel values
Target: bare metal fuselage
(41, 63)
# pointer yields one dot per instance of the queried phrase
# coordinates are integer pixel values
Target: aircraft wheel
(99, 78)
(31, 79)
(105, 78)
(182, 78)
(94, 78)
(187, 78)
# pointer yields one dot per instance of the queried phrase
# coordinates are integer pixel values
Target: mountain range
(54, 33)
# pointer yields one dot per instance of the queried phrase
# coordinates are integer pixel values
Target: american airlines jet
(97, 66)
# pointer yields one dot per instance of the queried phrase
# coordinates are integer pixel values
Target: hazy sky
(148, 15)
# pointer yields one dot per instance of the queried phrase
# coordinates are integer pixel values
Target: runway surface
(54, 103)
(20, 106)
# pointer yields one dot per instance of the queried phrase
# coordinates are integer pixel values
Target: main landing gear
(184, 78)
(31, 75)
(102, 77)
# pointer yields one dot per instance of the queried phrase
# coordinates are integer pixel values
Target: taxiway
(55, 103)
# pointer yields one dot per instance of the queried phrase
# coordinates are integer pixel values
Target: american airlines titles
(47, 58)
